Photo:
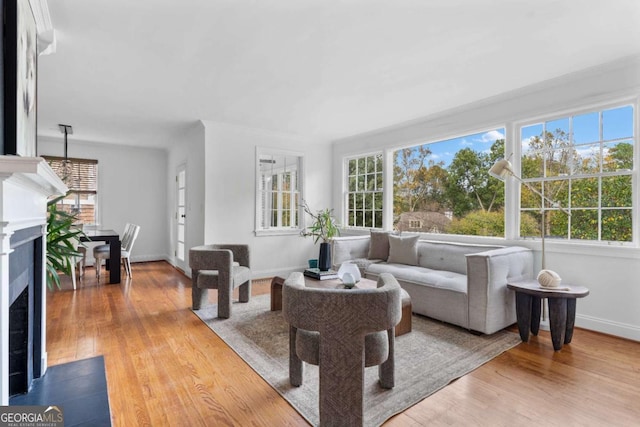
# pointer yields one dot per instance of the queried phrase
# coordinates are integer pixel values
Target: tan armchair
(343, 331)
(221, 267)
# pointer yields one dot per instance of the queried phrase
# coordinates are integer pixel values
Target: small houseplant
(324, 227)
(62, 238)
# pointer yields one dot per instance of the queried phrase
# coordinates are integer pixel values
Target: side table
(562, 309)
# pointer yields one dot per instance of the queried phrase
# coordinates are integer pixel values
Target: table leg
(276, 293)
(536, 304)
(557, 321)
(571, 319)
(114, 255)
(523, 314)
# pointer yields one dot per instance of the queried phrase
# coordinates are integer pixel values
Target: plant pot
(324, 259)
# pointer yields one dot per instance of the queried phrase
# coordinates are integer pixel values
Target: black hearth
(25, 310)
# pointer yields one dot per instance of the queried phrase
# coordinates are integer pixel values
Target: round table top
(532, 287)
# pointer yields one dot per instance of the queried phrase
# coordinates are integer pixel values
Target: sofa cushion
(379, 245)
(349, 248)
(447, 256)
(422, 276)
(403, 249)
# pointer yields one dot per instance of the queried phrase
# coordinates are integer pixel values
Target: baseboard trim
(609, 327)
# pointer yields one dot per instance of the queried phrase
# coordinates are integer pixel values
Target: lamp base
(544, 316)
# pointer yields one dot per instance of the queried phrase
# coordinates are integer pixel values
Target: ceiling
(142, 72)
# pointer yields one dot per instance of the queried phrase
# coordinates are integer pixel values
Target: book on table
(318, 274)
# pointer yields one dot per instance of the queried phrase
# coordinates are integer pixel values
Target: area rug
(428, 358)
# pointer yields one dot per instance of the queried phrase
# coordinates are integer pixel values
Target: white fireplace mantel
(25, 185)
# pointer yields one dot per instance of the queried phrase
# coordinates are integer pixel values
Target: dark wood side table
(562, 309)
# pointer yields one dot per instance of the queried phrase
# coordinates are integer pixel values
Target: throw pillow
(403, 249)
(379, 245)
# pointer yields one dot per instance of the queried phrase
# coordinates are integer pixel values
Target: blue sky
(616, 124)
(444, 151)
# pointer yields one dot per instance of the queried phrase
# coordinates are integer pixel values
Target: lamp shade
(501, 169)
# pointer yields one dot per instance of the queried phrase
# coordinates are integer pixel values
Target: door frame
(180, 263)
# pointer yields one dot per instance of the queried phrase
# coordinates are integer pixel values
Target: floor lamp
(501, 170)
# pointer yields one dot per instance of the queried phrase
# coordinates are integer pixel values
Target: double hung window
(278, 193)
(364, 191)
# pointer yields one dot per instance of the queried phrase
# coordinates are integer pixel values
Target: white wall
(611, 273)
(131, 188)
(188, 151)
(230, 179)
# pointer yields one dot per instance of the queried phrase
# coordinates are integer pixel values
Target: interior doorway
(181, 216)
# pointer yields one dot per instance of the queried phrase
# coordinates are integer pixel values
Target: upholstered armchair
(343, 331)
(221, 267)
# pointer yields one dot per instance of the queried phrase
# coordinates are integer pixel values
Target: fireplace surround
(25, 185)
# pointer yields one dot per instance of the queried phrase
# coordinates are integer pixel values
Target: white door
(181, 216)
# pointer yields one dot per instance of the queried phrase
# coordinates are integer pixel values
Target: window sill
(278, 232)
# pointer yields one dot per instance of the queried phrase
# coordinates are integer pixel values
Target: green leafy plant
(324, 225)
(62, 238)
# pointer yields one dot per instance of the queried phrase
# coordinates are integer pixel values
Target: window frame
(445, 138)
(55, 163)
(260, 194)
(516, 148)
(347, 192)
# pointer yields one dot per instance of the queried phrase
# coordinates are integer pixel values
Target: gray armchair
(221, 267)
(343, 331)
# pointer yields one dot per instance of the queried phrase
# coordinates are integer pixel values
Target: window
(444, 186)
(364, 194)
(82, 180)
(584, 163)
(278, 192)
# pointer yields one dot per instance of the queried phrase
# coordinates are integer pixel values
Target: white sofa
(462, 284)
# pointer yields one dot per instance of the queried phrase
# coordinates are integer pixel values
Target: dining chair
(78, 263)
(106, 247)
(128, 239)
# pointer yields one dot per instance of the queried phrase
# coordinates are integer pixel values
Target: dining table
(113, 239)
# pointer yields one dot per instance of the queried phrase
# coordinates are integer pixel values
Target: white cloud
(491, 136)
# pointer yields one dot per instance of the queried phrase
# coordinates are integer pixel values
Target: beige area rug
(427, 359)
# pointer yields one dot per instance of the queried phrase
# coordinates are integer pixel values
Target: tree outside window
(585, 164)
(445, 186)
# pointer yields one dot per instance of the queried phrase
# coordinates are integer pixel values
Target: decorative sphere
(549, 279)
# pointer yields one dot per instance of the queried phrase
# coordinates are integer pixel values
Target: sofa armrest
(349, 248)
(491, 304)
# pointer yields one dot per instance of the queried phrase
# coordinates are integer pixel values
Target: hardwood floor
(166, 368)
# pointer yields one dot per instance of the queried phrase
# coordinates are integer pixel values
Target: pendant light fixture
(67, 166)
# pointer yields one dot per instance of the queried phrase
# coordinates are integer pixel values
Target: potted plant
(324, 227)
(62, 238)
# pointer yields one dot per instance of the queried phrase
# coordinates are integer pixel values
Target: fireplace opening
(25, 309)
(19, 331)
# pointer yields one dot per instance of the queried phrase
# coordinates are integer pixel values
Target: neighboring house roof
(429, 221)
